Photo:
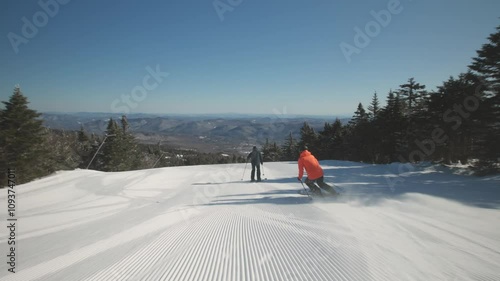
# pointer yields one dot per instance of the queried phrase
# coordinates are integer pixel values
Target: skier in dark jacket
(256, 159)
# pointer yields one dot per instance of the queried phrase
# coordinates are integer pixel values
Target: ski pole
(263, 174)
(244, 170)
(308, 195)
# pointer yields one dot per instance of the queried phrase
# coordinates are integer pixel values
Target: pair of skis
(319, 194)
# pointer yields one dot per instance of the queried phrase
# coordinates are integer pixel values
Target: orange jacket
(310, 163)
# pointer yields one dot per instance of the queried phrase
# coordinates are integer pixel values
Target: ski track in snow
(142, 225)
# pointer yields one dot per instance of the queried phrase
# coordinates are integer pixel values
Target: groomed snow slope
(204, 223)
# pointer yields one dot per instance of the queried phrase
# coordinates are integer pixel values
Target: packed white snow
(393, 222)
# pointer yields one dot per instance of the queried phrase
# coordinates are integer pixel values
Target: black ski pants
(255, 167)
(313, 185)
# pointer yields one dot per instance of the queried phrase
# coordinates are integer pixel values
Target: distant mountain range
(228, 133)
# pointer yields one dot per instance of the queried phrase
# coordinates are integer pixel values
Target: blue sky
(263, 57)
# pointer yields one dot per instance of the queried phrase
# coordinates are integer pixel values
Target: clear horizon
(222, 114)
(248, 57)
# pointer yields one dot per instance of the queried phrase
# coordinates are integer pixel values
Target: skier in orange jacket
(314, 172)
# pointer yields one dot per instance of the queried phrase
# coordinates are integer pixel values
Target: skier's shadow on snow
(284, 196)
(278, 197)
(274, 192)
(274, 196)
(247, 181)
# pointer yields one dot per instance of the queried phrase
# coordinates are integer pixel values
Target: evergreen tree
(86, 147)
(412, 95)
(360, 116)
(487, 63)
(391, 126)
(459, 128)
(338, 140)
(325, 138)
(125, 125)
(110, 158)
(64, 150)
(271, 152)
(82, 136)
(487, 66)
(22, 139)
(358, 137)
(331, 139)
(289, 149)
(374, 107)
(309, 138)
(130, 147)
(120, 151)
(373, 148)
